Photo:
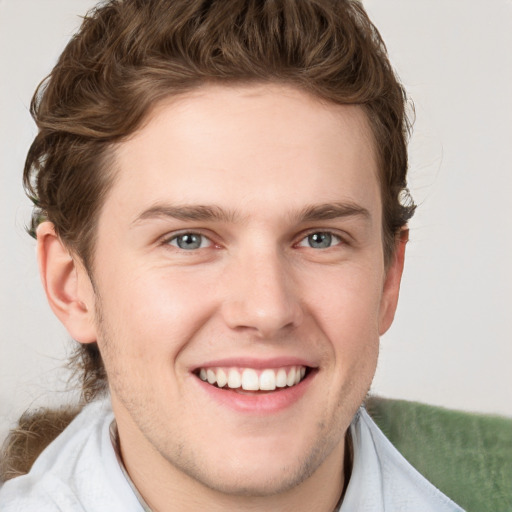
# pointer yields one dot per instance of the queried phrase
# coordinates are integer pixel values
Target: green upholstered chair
(467, 456)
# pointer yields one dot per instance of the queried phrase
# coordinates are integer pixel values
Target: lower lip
(258, 403)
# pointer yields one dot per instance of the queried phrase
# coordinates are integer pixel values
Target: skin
(256, 289)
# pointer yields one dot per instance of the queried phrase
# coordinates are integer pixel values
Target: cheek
(153, 313)
(347, 311)
(348, 301)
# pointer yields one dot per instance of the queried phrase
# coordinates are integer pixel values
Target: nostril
(262, 303)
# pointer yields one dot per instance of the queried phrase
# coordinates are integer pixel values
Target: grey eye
(320, 240)
(189, 241)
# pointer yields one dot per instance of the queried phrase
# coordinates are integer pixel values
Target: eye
(189, 241)
(320, 240)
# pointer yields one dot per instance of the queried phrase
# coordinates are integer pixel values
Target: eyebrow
(188, 212)
(330, 211)
(311, 213)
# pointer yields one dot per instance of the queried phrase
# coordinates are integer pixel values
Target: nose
(261, 296)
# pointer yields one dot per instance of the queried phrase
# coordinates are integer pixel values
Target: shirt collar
(114, 438)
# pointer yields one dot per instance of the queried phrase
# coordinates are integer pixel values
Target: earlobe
(391, 290)
(66, 284)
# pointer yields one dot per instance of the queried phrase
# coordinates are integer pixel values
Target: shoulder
(77, 472)
(47, 494)
(382, 480)
(467, 455)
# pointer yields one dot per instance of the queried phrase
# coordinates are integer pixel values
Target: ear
(392, 281)
(67, 285)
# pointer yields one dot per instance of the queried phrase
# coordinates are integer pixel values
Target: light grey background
(451, 343)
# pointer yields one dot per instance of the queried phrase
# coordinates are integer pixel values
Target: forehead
(245, 147)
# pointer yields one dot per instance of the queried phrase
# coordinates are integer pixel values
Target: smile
(250, 379)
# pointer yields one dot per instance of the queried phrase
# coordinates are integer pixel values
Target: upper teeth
(250, 379)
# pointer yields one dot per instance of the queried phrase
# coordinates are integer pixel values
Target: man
(219, 227)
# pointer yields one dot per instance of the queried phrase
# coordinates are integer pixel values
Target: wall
(451, 343)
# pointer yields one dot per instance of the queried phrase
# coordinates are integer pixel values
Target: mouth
(252, 380)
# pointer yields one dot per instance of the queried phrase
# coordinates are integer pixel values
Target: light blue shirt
(79, 472)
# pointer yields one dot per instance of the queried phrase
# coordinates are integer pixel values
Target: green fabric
(467, 456)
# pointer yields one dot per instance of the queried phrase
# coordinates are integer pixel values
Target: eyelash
(329, 234)
(332, 237)
(175, 237)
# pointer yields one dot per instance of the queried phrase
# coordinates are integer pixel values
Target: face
(240, 287)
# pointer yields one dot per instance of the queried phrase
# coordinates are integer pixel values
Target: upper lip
(256, 363)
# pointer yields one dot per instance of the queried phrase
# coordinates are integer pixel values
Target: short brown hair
(130, 54)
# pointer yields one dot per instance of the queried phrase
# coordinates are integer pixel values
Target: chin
(254, 479)
(257, 468)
